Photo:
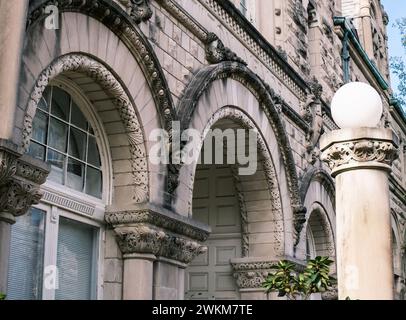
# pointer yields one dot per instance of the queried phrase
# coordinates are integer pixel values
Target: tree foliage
(398, 65)
(300, 285)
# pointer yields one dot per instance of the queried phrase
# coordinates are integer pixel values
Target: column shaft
(5, 234)
(138, 277)
(364, 269)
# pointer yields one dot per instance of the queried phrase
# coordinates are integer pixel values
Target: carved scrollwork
(159, 242)
(360, 151)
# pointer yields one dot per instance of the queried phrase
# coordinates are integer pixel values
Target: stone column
(12, 26)
(138, 276)
(20, 178)
(361, 160)
(157, 245)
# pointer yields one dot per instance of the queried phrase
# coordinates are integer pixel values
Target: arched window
(55, 249)
(63, 137)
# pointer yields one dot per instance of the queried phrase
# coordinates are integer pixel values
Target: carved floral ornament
(360, 151)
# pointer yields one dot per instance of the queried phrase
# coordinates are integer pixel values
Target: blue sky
(395, 9)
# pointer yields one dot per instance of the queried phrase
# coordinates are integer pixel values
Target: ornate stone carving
(216, 52)
(8, 165)
(251, 274)
(17, 196)
(149, 239)
(148, 216)
(340, 154)
(98, 72)
(139, 10)
(313, 115)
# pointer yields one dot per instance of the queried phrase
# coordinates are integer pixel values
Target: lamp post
(360, 155)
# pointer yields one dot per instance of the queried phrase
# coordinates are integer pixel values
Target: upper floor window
(247, 8)
(63, 137)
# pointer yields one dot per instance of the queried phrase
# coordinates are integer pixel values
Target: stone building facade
(86, 214)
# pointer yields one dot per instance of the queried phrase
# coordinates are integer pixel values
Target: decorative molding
(143, 238)
(147, 216)
(359, 151)
(98, 72)
(243, 212)
(67, 203)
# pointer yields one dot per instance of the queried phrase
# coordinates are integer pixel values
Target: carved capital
(250, 273)
(377, 149)
(143, 238)
(8, 161)
(158, 232)
(19, 182)
(360, 151)
(17, 196)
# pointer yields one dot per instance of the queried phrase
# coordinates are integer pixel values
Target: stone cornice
(353, 148)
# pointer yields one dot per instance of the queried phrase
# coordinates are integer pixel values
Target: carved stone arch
(318, 218)
(125, 27)
(269, 175)
(97, 71)
(320, 175)
(317, 189)
(265, 97)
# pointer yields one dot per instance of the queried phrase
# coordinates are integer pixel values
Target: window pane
(77, 144)
(57, 162)
(76, 175)
(45, 99)
(94, 182)
(76, 261)
(60, 104)
(26, 257)
(37, 151)
(40, 127)
(58, 133)
(93, 153)
(77, 117)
